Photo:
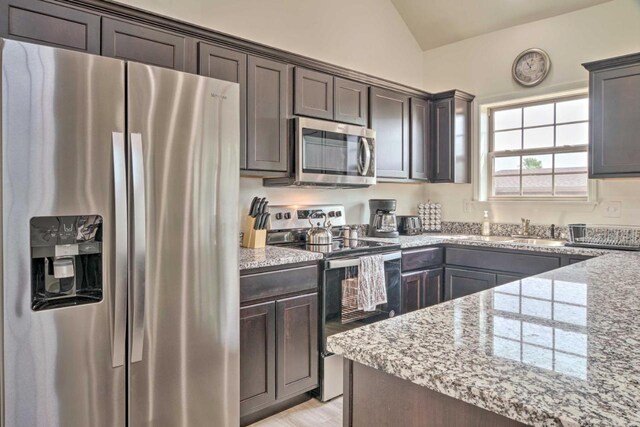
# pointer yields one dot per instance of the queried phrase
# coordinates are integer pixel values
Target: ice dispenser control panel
(66, 261)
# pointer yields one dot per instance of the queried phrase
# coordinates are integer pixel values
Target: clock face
(531, 67)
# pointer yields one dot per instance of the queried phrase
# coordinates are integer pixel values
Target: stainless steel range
(288, 226)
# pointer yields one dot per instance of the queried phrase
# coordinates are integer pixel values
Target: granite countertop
(421, 240)
(558, 349)
(272, 256)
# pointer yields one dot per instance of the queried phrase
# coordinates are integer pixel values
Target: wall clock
(531, 67)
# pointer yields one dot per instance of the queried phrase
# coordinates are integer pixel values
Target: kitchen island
(558, 349)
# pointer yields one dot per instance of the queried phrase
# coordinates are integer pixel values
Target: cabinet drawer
(526, 264)
(420, 259)
(275, 283)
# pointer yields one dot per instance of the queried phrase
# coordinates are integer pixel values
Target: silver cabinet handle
(120, 245)
(363, 166)
(137, 271)
(354, 262)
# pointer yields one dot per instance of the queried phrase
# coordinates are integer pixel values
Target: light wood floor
(311, 413)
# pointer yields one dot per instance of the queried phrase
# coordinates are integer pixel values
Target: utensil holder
(252, 238)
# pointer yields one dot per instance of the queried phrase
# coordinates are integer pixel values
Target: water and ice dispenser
(66, 261)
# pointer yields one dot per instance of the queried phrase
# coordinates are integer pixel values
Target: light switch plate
(612, 209)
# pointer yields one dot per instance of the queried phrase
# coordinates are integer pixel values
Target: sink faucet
(524, 228)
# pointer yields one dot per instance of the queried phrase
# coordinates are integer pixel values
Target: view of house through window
(539, 150)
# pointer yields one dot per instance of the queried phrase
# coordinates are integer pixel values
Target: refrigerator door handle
(138, 248)
(118, 348)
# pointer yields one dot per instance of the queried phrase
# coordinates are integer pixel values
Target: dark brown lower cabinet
(257, 356)
(503, 278)
(459, 282)
(278, 351)
(421, 289)
(297, 349)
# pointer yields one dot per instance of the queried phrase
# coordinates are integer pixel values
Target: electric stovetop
(345, 248)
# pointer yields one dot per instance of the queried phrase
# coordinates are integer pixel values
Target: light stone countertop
(558, 349)
(421, 240)
(273, 256)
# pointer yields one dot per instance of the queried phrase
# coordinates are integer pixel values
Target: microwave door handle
(364, 144)
(120, 246)
(138, 248)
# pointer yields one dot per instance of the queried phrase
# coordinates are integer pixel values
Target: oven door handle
(354, 262)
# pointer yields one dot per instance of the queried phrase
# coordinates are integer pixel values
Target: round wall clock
(531, 67)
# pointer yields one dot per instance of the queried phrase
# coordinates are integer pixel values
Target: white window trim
(480, 144)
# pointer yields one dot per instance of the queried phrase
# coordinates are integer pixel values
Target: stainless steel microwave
(330, 154)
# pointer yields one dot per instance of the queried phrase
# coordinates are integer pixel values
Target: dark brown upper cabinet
(135, 42)
(50, 24)
(267, 148)
(614, 117)
(390, 119)
(231, 66)
(313, 94)
(420, 139)
(351, 102)
(451, 137)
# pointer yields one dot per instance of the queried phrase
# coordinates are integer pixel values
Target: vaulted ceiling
(438, 22)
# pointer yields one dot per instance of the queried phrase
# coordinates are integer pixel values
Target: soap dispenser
(486, 224)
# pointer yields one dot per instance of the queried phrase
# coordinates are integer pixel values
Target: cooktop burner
(342, 247)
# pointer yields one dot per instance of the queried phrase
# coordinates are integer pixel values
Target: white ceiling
(438, 22)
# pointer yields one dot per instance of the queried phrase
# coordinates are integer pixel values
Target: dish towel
(372, 289)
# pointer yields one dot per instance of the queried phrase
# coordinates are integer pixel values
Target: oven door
(334, 153)
(339, 311)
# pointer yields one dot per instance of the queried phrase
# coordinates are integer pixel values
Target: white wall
(482, 66)
(364, 35)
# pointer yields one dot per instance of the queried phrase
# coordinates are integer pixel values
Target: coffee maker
(382, 219)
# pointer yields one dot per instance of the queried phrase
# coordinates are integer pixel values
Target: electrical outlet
(612, 209)
(467, 207)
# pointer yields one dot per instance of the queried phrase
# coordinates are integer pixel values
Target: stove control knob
(332, 214)
(279, 215)
(338, 213)
(287, 215)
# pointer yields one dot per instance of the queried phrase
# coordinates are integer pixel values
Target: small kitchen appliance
(288, 227)
(409, 225)
(382, 218)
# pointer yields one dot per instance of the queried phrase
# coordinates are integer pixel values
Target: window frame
(492, 154)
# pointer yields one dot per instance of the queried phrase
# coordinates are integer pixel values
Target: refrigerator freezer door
(61, 366)
(188, 372)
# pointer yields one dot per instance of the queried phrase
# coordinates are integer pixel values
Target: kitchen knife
(265, 220)
(261, 204)
(256, 224)
(252, 209)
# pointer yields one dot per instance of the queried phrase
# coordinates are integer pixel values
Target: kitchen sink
(540, 242)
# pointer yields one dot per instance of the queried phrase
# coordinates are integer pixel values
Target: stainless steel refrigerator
(119, 232)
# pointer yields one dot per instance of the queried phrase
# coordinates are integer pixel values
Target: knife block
(253, 239)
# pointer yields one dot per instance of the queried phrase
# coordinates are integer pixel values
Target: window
(539, 150)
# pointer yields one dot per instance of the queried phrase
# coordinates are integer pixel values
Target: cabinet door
(614, 146)
(433, 288)
(126, 40)
(297, 350)
(504, 278)
(257, 356)
(443, 147)
(266, 115)
(351, 102)
(412, 290)
(231, 66)
(41, 22)
(313, 94)
(420, 155)
(390, 119)
(460, 282)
